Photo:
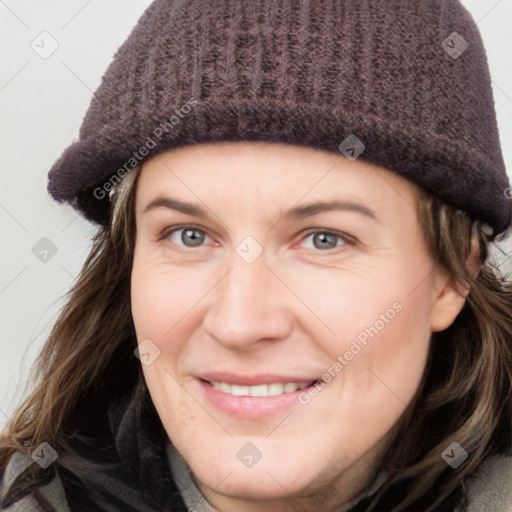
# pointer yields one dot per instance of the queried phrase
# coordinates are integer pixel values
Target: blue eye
(190, 236)
(323, 240)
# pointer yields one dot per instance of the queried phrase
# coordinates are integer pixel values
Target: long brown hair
(465, 395)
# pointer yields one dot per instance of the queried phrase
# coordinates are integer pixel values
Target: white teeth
(225, 388)
(290, 387)
(275, 389)
(261, 390)
(239, 390)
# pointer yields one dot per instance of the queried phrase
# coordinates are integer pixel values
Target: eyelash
(345, 238)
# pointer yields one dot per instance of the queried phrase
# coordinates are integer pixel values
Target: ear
(451, 296)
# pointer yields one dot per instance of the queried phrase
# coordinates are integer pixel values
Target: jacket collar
(134, 473)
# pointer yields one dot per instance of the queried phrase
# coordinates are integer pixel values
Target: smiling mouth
(261, 390)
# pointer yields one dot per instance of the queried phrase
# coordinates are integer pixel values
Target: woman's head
(300, 222)
(260, 264)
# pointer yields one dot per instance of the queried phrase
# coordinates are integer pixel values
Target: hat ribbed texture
(307, 73)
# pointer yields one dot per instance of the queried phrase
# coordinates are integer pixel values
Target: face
(286, 299)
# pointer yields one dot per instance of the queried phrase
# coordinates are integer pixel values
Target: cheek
(380, 343)
(159, 301)
(156, 309)
(160, 297)
(365, 304)
(383, 357)
(165, 304)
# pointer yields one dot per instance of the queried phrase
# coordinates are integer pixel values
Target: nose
(249, 305)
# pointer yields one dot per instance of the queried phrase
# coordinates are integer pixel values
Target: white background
(42, 103)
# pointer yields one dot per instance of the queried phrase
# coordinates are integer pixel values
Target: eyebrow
(311, 209)
(297, 212)
(174, 204)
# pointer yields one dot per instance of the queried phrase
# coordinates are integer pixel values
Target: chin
(260, 486)
(269, 479)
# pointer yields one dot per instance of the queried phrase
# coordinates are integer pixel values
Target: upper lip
(253, 380)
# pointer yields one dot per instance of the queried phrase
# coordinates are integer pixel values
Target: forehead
(252, 174)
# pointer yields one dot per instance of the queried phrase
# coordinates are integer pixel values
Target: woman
(289, 303)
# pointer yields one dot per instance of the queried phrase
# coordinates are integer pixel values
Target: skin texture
(293, 311)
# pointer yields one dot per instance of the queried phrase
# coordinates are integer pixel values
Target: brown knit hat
(406, 80)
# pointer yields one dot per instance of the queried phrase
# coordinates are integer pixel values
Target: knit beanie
(403, 84)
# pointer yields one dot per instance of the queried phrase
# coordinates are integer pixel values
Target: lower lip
(249, 406)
